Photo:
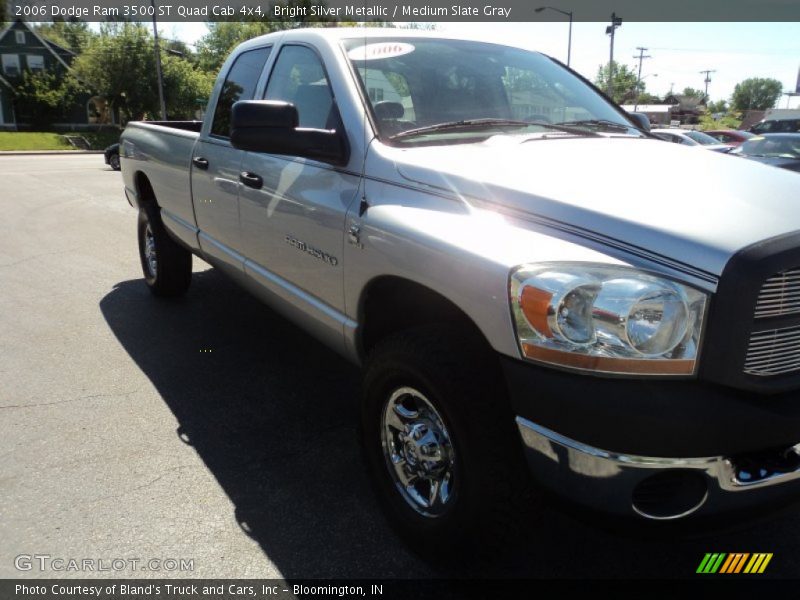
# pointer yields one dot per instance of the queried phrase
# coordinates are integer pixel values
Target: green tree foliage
(625, 86)
(72, 35)
(648, 98)
(756, 93)
(46, 97)
(693, 93)
(118, 63)
(719, 106)
(184, 85)
(726, 122)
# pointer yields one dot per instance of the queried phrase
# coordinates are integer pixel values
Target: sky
(679, 51)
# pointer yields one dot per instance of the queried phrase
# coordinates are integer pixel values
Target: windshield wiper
(600, 124)
(488, 123)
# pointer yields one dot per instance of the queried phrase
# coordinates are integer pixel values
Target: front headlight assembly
(606, 319)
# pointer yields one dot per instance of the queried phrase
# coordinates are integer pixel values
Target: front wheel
(166, 265)
(440, 443)
(113, 162)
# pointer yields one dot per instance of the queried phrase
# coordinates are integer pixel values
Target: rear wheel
(113, 161)
(167, 266)
(440, 443)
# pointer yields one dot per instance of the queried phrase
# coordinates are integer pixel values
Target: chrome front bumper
(656, 488)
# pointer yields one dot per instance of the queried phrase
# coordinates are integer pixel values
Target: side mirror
(271, 126)
(641, 120)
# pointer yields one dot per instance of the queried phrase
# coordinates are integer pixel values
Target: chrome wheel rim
(419, 452)
(150, 252)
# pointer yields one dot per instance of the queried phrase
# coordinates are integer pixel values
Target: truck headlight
(608, 319)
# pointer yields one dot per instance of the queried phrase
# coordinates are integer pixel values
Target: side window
(299, 78)
(240, 84)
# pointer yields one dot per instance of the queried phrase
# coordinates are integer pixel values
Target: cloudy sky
(679, 51)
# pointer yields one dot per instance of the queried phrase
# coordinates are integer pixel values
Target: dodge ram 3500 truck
(496, 243)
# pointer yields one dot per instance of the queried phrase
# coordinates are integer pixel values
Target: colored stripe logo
(735, 562)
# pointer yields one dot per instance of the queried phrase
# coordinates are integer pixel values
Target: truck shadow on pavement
(273, 414)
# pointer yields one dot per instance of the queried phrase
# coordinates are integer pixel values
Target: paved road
(210, 429)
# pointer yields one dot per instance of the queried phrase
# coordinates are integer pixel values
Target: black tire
(458, 375)
(171, 274)
(113, 161)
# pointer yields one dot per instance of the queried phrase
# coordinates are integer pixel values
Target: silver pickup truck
(536, 288)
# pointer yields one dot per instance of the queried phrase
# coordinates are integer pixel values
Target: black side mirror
(271, 126)
(641, 120)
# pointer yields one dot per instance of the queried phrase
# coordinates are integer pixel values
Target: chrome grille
(773, 352)
(780, 295)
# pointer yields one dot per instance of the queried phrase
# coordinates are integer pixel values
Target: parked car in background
(776, 149)
(691, 138)
(776, 126)
(731, 137)
(112, 156)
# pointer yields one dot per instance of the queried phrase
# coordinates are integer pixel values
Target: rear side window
(240, 84)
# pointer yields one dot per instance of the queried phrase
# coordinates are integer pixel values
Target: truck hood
(645, 195)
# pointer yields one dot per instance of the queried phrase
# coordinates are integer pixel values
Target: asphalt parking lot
(211, 429)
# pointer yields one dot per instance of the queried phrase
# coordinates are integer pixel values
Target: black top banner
(303, 11)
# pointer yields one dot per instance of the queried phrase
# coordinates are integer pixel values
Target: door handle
(251, 180)
(200, 162)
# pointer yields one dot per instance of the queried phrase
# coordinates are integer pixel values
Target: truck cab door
(293, 209)
(216, 164)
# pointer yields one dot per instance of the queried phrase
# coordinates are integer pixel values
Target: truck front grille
(780, 295)
(773, 352)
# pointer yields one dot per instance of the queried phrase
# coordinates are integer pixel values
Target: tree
(119, 64)
(756, 94)
(693, 93)
(46, 97)
(720, 106)
(72, 35)
(625, 85)
(648, 98)
(184, 85)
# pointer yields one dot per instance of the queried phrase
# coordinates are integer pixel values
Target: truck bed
(163, 152)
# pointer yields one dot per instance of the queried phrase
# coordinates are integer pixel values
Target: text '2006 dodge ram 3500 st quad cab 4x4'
(475, 224)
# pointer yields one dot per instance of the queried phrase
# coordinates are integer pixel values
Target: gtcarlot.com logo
(735, 562)
(46, 562)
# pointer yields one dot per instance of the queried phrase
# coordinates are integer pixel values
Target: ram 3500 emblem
(316, 253)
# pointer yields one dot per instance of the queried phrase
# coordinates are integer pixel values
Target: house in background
(23, 49)
(686, 109)
(659, 114)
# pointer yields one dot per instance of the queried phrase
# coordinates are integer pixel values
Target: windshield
(702, 138)
(475, 89)
(775, 147)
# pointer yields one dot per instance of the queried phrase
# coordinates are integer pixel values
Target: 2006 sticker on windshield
(380, 50)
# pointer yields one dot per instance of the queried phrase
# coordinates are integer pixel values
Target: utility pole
(707, 80)
(158, 65)
(615, 22)
(641, 57)
(566, 13)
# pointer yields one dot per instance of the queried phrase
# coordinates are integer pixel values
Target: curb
(47, 152)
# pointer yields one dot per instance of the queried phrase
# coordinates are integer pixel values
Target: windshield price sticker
(380, 50)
